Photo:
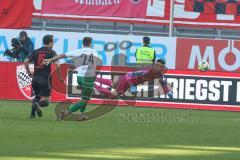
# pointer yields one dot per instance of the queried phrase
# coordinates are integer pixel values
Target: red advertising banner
(16, 85)
(191, 89)
(16, 14)
(222, 55)
(112, 8)
(9, 85)
(138, 11)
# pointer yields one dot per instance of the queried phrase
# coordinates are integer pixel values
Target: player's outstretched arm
(48, 61)
(26, 64)
(59, 73)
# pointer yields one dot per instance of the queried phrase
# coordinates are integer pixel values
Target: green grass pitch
(119, 135)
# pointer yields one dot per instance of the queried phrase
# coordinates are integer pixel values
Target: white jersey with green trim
(85, 61)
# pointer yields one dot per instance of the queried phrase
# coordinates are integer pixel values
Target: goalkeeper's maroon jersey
(139, 77)
(150, 74)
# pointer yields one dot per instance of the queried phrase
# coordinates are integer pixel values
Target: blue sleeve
(30, 46)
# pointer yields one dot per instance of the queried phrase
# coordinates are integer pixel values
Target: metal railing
(132, 29)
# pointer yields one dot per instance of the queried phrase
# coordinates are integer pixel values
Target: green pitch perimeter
(126, 133)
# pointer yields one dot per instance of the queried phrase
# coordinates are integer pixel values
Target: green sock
(77, 106)
(83, 107)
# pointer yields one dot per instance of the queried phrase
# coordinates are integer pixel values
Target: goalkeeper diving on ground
(135, 78)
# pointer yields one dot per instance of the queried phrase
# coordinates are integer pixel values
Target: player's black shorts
(41, 86)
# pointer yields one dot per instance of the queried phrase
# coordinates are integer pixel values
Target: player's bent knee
(43, 103)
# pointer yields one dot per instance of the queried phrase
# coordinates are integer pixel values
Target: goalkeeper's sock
(165, 88)
(80, 105)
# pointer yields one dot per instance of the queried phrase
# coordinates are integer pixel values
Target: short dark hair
(87, 41)
(47, 39)
(161, 61)
(23, 34)
(146, 40)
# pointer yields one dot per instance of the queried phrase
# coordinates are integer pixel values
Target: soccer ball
(203, 66)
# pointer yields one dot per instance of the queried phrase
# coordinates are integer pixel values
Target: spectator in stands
(26, 46)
